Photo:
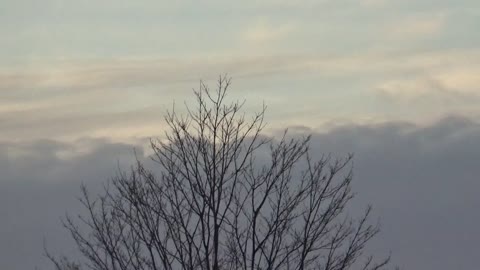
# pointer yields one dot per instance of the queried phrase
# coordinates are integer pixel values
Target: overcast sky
(395, 81)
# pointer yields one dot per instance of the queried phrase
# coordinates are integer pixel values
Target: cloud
(39, 182)
(66, 77)
(55, 124)
(422, 181)
(127, 97)
(99, 74)
(461, 78)
(420, 88)
(373, 3)
(417, 26)
(263, 32)
(448, 84)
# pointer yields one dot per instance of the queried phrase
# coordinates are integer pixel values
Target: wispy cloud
(263, 33)
(373, 3)
(422, 88)
(448, 77)
(417, 26)
(128, 96)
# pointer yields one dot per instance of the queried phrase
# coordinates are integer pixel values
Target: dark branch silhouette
(217, 204)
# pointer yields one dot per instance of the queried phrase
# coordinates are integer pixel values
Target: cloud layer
(126, 98)
(78, 68)
(422, 181)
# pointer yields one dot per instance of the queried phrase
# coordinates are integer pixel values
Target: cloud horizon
(422, 182)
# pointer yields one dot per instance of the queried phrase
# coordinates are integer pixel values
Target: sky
(394, 81)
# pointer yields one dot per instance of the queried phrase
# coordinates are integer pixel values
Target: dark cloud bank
(422, 181)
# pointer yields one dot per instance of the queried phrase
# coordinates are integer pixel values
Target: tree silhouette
(221, 203)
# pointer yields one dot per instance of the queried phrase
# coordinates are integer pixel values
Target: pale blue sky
(73, 69)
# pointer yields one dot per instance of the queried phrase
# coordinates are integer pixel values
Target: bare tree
(219, 204)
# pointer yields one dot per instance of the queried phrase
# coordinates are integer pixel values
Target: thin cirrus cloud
(93, 97)
(263, 32)
(448, 76)
(429, 87)
(373, 3)
(417, 26)
(455, 67)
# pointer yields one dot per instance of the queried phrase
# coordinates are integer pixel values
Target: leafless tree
(219, 204)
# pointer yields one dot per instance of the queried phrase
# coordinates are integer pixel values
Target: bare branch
(218, 204)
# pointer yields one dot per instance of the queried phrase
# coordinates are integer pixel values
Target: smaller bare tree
(217, 204)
